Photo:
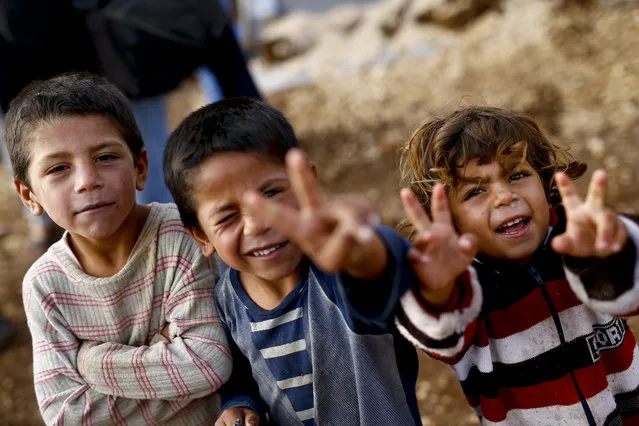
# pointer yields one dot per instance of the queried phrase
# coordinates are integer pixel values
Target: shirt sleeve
(375, 301)
(609, 285)
(445, 333)
(63, 395)
(241, 390)
(194, 364)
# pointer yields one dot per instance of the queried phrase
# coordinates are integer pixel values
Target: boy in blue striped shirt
(311, 287)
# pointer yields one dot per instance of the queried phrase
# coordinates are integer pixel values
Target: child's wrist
(371, 262)
(440, 297)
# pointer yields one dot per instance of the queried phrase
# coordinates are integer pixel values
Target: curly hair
(439, 148)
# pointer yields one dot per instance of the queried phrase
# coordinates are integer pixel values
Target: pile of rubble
(301, 32)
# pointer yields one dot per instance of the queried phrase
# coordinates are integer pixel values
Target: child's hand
(592, 229)
(438, 255)
(238, 416)
(338, 236)
(166, 334)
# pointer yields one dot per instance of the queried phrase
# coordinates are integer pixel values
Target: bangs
(510, 155)
(486, 140)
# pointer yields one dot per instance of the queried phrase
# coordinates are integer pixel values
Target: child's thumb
(251, 419)
(561, 244)
(468, 244)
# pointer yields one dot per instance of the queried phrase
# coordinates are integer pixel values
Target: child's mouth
(265, 252)
(514, 226)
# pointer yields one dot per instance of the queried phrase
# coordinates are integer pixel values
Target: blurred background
(355, 77)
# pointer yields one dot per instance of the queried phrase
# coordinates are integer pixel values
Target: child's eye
(225, 219)
(105, 157)
(56, 169)
(272, 192)
(519, 175)
(472, 193)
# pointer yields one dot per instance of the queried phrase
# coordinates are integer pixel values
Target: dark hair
(230, 125)
(438, 148)
(73, 94)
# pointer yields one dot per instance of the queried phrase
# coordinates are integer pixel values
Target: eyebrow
(478, 180)
(222, 208)
(270, 182)
(99, 147)
(471, 180)
(230, 206)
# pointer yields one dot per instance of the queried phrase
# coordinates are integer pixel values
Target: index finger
(415, 212)
(440, 210)
(569, 197)
(596, 197)
(303, 180)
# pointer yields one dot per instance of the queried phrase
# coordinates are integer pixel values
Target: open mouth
(514, 226)
(266, 251)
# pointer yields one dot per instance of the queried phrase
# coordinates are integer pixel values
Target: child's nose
(254, 225)
(505, 197)
(87, 178)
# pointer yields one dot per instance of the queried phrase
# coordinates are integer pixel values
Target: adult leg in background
(151, 115)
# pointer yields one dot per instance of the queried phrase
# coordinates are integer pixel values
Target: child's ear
(203, 241)
(28, 198)
(141, 169)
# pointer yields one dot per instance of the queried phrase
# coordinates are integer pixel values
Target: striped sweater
(541, 343)
(127, 379)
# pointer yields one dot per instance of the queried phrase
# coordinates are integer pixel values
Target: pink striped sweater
(128, 379)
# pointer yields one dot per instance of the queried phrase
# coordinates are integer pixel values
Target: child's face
(507, 210)
(83, 175)
(244, 242)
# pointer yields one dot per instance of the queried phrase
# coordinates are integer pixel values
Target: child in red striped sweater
(521, 295)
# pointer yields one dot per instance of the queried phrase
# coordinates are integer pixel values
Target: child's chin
(277, 274)
(522, 255)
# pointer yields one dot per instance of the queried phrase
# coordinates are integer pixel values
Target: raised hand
(338, 235)
(438, 255)
(592, 229)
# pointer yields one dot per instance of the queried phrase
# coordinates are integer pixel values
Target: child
(122, 277)
(532, 328)
(316, 334)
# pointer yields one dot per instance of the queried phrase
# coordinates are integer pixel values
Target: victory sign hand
(338, 236)
(438, 255)
(592, 229)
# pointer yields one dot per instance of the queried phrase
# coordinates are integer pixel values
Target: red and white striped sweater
(128, 379)
(539, 344)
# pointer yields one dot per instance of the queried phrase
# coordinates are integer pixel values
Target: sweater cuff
(417, 321)
(610, 285)
(81, 361)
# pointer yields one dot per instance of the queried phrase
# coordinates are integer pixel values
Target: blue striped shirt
(328, 353)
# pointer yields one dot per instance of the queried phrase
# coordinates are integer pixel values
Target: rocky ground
(377, 72)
